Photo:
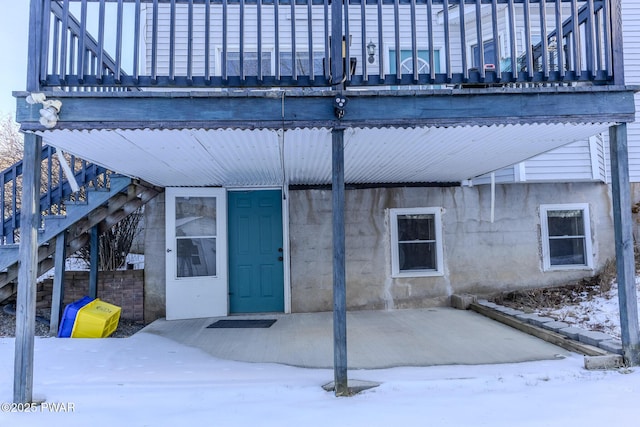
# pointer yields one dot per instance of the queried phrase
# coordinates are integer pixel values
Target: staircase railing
(75, 51)
(56, 189)
(563, 57)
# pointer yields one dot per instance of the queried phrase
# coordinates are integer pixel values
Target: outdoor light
(36, 98)
(49, 111)
(371, 50)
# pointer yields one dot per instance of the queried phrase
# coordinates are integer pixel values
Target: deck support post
(27, 271)
(57, 296)
(94, 253)
(338, 77)
(623, 231)
(339, 282)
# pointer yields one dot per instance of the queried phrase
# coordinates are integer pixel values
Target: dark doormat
(243, 323)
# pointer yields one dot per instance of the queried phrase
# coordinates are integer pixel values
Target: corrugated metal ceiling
(197, 157)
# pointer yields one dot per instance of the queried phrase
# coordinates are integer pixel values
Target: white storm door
(196, 253)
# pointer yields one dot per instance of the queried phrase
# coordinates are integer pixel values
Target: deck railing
(55, 189)
(280, 43)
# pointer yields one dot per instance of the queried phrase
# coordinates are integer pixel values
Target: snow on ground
(597, 314)
(147, 380)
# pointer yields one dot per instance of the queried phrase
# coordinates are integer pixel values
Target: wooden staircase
(102, 207)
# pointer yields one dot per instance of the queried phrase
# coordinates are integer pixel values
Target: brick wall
(123, 288)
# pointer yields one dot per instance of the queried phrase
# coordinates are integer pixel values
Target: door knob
(279, 249)
(280, 258)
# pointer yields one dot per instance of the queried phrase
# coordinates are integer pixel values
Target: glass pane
(567, 251)
(565, 223)
(417, 256)
(302, 64)
(416, 227)
(406, 61)
(196, 257)
(195, 216)
(250, 63)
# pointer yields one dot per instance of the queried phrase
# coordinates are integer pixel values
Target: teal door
(256, 269)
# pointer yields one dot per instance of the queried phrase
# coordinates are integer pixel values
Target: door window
(195, 236)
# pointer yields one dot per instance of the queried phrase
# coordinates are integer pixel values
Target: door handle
(279, 249)
(168, 250)
(280, 258)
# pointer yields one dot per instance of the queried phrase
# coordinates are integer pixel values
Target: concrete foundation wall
(479, 256)
(154, 259)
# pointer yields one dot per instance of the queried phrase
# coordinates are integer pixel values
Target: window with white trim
(566, 236)
(416, 242)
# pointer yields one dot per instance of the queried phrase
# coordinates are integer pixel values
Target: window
(406, 61)
(489, 52)
(416, 242)
(250, 63)
(566, 236)
(302, 64)
(196, 236)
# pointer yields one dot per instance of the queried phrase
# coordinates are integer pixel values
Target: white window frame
(544, 227)
(395, 257)
(389, 47)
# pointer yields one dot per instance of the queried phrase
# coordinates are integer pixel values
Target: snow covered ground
(147, 380)
(597, 314)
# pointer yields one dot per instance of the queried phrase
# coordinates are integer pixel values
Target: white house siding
(630, 20)
(285, 31)
(501, 176)
(355, 19)
(572, 162)
(579, 161)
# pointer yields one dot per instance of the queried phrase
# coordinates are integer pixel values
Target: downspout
(493, 196)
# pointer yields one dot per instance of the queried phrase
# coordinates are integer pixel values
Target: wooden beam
(27, 271)
(549, 336)
(94, 255)
(57, 296)
(623, 231)
(617, 41)
(253, 110)
(339, 281)
(35, 45)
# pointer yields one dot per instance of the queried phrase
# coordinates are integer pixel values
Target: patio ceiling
(266, 157)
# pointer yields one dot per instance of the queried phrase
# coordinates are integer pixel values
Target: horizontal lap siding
(630, 20)
(502, 176)
(565, 164)
(569, 163)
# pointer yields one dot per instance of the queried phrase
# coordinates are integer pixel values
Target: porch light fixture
(49, 111)
(371, 51)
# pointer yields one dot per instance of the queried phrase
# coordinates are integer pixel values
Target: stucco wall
(154, 264)
(479, 256)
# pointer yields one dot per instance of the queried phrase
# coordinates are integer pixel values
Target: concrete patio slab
(376, 339)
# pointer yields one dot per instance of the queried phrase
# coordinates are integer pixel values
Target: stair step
(100, 207)
(8, 255)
